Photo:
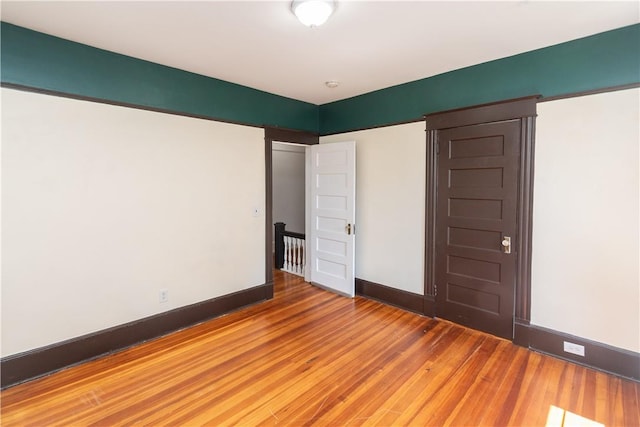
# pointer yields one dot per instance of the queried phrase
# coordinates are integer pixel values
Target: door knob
(506, 244)
(350, 229)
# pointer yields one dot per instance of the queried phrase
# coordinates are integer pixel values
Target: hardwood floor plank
(588, 406)
(507, 388)
(630, 404)
(486, 383)
(539, 410)
(310, 357)
(532, 382)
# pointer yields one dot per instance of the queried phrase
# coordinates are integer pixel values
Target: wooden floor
(312, 357)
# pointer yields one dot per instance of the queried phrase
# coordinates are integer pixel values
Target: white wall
(390, 204)
(585, 278)
(586, 272)
(288, 185)
(103, 206)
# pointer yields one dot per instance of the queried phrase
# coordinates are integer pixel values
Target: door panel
(476, 209)
(332, 206)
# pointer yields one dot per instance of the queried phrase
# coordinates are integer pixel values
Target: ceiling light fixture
(313, 13)
(331, 84)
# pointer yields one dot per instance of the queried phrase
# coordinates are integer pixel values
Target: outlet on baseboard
(163, 295)
(572, 348)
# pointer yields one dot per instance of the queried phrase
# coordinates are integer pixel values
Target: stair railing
(289, 250)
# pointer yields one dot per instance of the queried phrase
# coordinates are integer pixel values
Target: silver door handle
(506, 244)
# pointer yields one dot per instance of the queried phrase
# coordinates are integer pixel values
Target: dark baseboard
(392, 296)
(597, 355)
(429, 303)
(521, 332)
(35, 363)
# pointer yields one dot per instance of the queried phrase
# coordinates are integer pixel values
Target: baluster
(285, 266)
(297, 268)
(294, 260)
(294, 255)
(292, 244)
(300, 253)
(291, 254)
(303, 263)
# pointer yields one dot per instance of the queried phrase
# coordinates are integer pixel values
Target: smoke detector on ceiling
(332, 84)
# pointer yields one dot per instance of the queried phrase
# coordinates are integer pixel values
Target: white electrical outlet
(572, 348)
(163, 295)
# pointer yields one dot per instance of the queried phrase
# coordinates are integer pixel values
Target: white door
(331, 190)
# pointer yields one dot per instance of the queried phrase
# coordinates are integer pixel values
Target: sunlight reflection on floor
(558, 417)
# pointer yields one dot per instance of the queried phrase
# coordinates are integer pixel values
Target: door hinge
(435, 290)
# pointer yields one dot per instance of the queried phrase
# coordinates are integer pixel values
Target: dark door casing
(478, 216)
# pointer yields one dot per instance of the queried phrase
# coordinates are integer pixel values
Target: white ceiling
(365, 45)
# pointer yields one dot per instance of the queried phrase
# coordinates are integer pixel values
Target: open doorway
(289, 185)
(288, 161)
(329, 207)
(276, 135)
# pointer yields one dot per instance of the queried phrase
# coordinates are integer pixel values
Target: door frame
(276, 134)
(523, 109)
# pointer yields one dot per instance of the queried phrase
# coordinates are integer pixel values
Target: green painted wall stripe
(41, 61)
(604, 60)
(45, 62)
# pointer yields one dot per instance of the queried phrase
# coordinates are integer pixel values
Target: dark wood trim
(597, 355)
(291, 135)
(278, 245)
(268, 211)
(485, 113)
(523, 109)
(42, 361)
(429, 308)
(294, 234)
(521, 332)
(540, 99)
(120, 104)
(590, 92)
(391, 296)
(272, 134)
(386, 125)
(522, 306)
(430, 217)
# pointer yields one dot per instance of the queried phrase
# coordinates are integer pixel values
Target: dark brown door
(476, 213)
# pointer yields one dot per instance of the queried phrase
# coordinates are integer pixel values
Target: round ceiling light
(332, 84)
(312, 13)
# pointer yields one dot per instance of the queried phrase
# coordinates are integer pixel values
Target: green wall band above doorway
(49, 63)
(604, 60)
(43, 62)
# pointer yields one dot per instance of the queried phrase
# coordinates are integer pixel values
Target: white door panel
(331, 202)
